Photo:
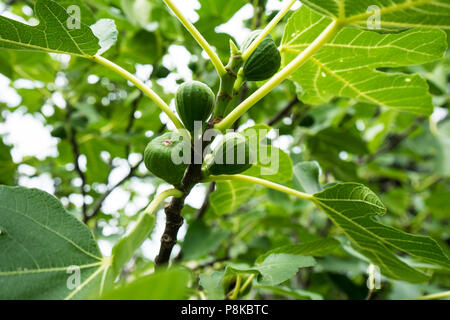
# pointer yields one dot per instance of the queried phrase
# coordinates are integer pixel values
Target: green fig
(78, 120)
(233, 155)
(264, 62)
(59, 131)
(165, 157)
(194, 101)
(160, 72)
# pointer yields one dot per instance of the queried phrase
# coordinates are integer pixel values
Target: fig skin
(194, 101)
(231, 148)
(59, 131)
(264, 62)
(158, 157)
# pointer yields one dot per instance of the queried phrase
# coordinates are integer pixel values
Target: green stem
(267, 30)
(236, 288)
(160, 198)
(198, 37)
(434, 296)
(227, 81)
(264, 183)
(141, 85)
(127, 245)
(247, 283)
(324, 37)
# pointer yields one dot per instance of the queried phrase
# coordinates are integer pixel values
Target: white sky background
(30, 138)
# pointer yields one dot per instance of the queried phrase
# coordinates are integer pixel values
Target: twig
(132, 173)
(132, 118)
(76, 161)
(283, 113)
(211, 263)
(326, 229)
(76, 155)
(394, 142)
(99, 203)
(174, 219)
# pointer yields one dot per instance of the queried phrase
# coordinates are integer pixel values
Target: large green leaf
(171, 284)
(201, 239)
(212, 283)
(124, 249)
(60, 30)
(306, 177)
(393, 13)
(352, 208)
(229, 196)
(271, 163)
(348, 65)
(315, 248)
(43, 247)
(275, 268)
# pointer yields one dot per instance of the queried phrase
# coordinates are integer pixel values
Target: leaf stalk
(141, 86)
(198, 37)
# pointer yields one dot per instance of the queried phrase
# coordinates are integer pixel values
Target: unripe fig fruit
(194, 66)
(264, 62)
(232, 155)
(160, 72)
(78, 120)
(194, 101)
(59, 131)
(159, 156)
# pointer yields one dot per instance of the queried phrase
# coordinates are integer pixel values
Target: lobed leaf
(171, 284)
(275, 268)
(315, 248)
(306, 177)
(271, 162)
(393, 13)
(352, 207)
(348, 65)
(59, 30)
(42, 247)
(229, 196)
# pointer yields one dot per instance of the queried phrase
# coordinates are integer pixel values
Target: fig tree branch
(394, 141)
(174, 219)
(132, 118)
(76, 161)
(126, 246)
(440, 295)
(283, 113)
(99, 203)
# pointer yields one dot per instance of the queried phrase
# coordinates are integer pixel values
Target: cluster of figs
(195, 102)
